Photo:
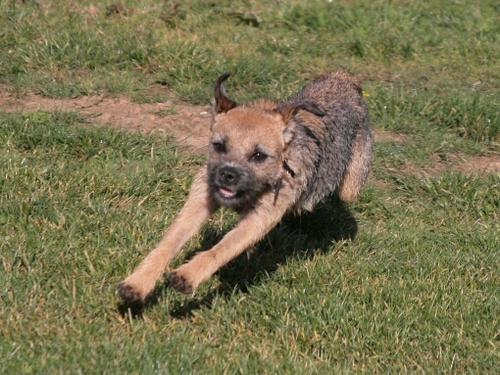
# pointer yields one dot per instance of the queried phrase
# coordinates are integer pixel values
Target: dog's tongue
(226, 192)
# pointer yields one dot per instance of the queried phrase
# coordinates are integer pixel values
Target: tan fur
(186, 224)
(265, 159)
(354, 177)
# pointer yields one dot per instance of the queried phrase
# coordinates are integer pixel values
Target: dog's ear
(221, 102)
(290, 110)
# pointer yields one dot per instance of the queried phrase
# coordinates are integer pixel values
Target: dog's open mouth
(227, 193)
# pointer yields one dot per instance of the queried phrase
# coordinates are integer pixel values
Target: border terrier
(265, 159)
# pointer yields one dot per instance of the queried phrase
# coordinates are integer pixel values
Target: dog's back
(332, 152)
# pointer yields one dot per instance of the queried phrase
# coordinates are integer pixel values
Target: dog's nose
(228, 176)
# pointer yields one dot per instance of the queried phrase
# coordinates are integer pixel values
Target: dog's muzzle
(227, 179)
(230, 184)
(228, 176)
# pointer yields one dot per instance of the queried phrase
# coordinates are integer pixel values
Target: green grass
(415, 290)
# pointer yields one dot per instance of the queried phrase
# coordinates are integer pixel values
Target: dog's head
(247, 146)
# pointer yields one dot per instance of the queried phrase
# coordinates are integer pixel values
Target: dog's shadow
(295, 236)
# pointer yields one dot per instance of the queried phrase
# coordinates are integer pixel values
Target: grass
(404, 280)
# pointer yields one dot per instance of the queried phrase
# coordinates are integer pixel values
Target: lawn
(405, 280)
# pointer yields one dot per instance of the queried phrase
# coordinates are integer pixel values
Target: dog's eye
(258, 157)
(219, 147)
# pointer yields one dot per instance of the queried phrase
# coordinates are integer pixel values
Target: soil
(189, 125)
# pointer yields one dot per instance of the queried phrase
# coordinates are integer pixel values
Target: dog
(265, 159)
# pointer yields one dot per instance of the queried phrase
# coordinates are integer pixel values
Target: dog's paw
(179, 283)
(128, 293)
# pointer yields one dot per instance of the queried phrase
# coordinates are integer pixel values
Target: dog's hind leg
(197, 209)
(358, 168)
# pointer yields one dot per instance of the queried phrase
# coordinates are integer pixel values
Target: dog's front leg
(197, 209)
(251, 228)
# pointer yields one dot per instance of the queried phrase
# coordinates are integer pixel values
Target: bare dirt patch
(387, 136)
(189, 125)
(464, 164)
(474, 164)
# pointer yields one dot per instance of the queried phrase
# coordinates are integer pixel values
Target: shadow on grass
(296, 236)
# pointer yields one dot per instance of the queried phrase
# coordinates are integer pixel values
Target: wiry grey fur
(321, 146)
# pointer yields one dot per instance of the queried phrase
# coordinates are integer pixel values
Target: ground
(189, 125)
